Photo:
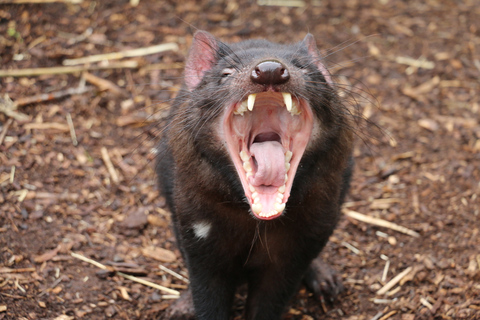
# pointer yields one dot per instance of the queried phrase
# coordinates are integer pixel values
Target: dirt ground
(76, 172)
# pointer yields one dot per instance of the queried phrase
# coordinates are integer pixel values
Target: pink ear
(200, 59)
(309, 41)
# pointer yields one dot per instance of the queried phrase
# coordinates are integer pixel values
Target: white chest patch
(201, 229)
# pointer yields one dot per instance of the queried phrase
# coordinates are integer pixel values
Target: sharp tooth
(279, 207)
(257, 208)
(288, 156)
(256, 200)
(251, 101)
(279, 196)
(244, 156)
(281, 189)
(255, 195)
(287, 97)
(241, 108)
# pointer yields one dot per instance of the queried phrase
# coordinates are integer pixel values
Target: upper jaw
(266, 135)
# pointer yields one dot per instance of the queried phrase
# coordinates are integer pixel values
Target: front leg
(213, 269)
(209, 297)
(270, 289)
(322, 280)
(180, 309)
(212, 293)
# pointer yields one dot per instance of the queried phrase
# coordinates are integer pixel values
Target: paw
(323, 281)
(181, 309)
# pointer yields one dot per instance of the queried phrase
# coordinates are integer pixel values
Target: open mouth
(266, 136)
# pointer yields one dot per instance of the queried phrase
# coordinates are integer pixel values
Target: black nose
(270, 72)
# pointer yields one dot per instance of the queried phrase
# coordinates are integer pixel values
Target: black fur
(201, 184)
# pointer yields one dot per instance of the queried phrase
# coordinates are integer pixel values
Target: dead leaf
(63, 317)
(102, 84)
(156, 221)
(159, 254)
(124, 293)
(428, 124)
(47, 255)
(418, 92)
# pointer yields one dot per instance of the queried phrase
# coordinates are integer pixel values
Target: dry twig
(388, 315)
(109, 165)
(173, 273)
(394, 281)
(8, 107)
(123, 54)
(5, 130)
(417, 63)
(142, 281)
(73, 135)
(40, 1)
(20, 270)
(63, 70)
(47, 126)
(103, 84)
(283, 3)
(51, 96)
(380, 222)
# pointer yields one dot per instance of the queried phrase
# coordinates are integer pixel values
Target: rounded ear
(201, 58)
(309, 43)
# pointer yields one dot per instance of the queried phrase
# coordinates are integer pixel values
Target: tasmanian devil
(254, 161)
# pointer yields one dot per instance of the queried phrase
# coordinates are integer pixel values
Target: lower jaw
(272, 203)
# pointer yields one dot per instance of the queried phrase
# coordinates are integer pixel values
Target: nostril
(270, 72)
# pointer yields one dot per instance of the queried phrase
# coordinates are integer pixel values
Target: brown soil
(420, 171)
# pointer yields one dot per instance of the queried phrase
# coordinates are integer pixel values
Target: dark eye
(227, 72)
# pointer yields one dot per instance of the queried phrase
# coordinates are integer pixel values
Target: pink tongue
(270, 164)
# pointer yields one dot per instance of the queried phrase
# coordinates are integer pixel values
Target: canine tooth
(251, 101)
(280, 196)
(287, 98)
(257, 208)
(279, 207)
(247, 166)
(288, 156)
(255, 195)
(281, 189)
(256, 200)
(278, 200)
(244, 156)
